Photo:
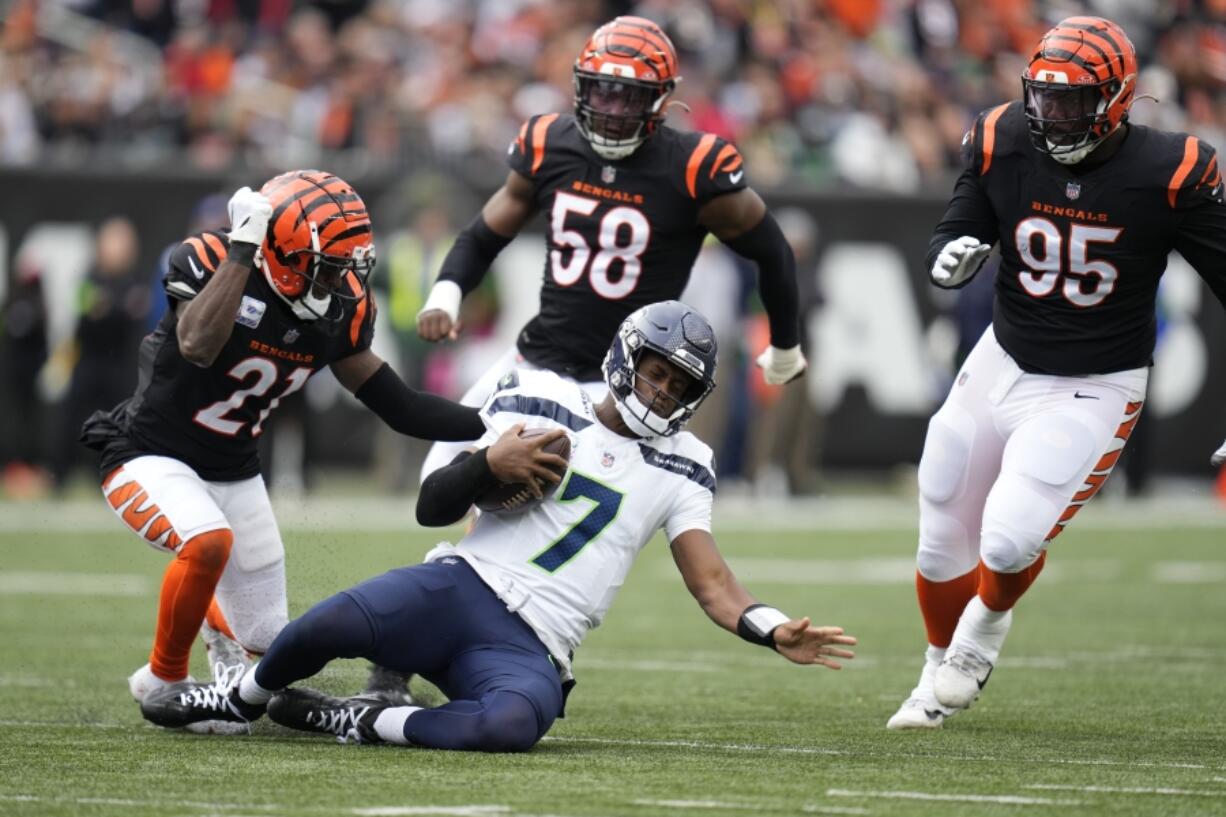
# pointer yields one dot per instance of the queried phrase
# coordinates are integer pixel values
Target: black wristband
(474, 250)
(242, 253)
(758, 623)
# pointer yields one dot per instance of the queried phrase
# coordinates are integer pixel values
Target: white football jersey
(559, 563)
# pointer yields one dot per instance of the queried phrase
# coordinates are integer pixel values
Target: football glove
(959, 260)
(1219, 456)
(249, 214)
(781, 366)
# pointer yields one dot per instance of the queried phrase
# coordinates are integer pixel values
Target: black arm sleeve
(415, 413)
(448, 493)
(470, 257)
(969, 213)
(1202, 242)
(766, 245)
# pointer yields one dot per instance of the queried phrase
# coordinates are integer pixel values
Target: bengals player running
(1085, 208)
(253, 315)
(629, 202)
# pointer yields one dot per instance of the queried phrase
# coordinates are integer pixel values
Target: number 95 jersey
(560, 562)
(210, 417)
(1082, 247)
(620, 235)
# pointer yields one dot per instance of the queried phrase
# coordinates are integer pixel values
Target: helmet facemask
(616, 114)
(1067, 122)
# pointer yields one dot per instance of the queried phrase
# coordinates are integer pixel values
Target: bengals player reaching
(629, 202)
(1085, 208)
(253, 315)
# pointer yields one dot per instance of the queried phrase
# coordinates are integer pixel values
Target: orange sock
(217, 621)
(187, 590)
(942, 603)
(1000, 591)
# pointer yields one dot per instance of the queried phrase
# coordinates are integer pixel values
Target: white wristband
(445, 295)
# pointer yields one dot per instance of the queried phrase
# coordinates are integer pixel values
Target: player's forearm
(969, 213)
(205, 323)
(766, 245)
(418, 414)
(470, 257)
(722, 598)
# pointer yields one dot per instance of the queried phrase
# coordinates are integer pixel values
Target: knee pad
(210, 549)
(946, 550)
(508, 724)
(1009, 551)
(947, 450)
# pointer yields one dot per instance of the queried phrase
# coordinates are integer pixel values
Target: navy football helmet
(681, 336)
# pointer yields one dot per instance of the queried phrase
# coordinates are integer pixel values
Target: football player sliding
(494, 620)
(1085, 208)
(253, 314)
(629, 201)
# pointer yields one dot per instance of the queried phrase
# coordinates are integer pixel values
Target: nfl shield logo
(606, 461)
(1073, 191)
(608, 174)
(290, 336)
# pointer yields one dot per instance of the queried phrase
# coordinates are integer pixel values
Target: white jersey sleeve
(689, 457)
(536, 398)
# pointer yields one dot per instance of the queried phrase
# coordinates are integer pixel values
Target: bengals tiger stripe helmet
(1078, 87)
(623, 78)
(319, 248)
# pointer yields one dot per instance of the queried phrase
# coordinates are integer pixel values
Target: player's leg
(961, 457)
(166, 503)
(1059, 455)
(442, 453)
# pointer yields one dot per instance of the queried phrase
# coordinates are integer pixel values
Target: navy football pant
(440, 621)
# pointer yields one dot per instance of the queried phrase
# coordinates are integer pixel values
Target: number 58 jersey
(1083, 247)
(211, 417)
(560, 563)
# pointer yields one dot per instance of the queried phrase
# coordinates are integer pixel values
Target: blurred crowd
(864, 93)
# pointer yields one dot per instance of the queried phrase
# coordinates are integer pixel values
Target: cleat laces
(342, 722)
(215, 698)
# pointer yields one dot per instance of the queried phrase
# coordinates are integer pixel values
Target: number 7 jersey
(620, 234)
(211, 417)
(1083, 247)
(560, 563)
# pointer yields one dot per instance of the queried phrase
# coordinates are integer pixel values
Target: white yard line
(698, 804)
(1189, 572)
(21, 582)
(1003, 799)
(1127, 790)
(371, 811)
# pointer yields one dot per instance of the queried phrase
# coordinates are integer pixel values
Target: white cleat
(961, 677)
(143, 681)
(921, 710)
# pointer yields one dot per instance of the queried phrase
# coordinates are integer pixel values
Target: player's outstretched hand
(435, 325)
(518, 459)
(959, 260)
(1219, 456)
(249, 214)
(800, 642)
(781, 366)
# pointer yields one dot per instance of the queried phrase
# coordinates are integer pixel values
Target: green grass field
(1110, 698)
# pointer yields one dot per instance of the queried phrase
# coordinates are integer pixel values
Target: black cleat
(389, 685)
(349, 719)
(186, 703)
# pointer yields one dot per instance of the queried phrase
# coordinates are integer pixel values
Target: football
(509, 497)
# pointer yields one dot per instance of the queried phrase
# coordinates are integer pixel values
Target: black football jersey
(1082, 248)
(621, 234)
(210, 417)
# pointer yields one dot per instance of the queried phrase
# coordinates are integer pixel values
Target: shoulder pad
(682, 454)
(538, 398)
(193, 262)
(713, 166)
(526, 154)
(1196, 177)
(994, 133)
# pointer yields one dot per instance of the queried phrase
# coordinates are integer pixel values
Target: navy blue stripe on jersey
(538, 407)
(678, 464)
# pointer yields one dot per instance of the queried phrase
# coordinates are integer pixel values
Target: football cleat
(388, 685)
(187, 703)
(351, 720)
(961, 677)
(143, 681)
(222, 650)
(921, 710)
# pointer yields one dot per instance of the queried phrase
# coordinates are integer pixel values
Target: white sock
(983, 629)
(251, 692)
(934, 655)
(984, 619)
(390, 724)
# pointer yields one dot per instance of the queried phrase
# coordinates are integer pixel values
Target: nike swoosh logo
(736, 177)
(1078, 395)
(986, 677)
(931, 715)
(199, 273)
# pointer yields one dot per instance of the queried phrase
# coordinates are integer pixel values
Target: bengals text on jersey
(210, 418)
(621, 234)
(1082, 246)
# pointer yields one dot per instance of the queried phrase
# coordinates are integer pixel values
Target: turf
(1110, 700)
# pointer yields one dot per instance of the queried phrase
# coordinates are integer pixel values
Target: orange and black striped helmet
(1079, 86)
(319, 240)
(623, 78)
